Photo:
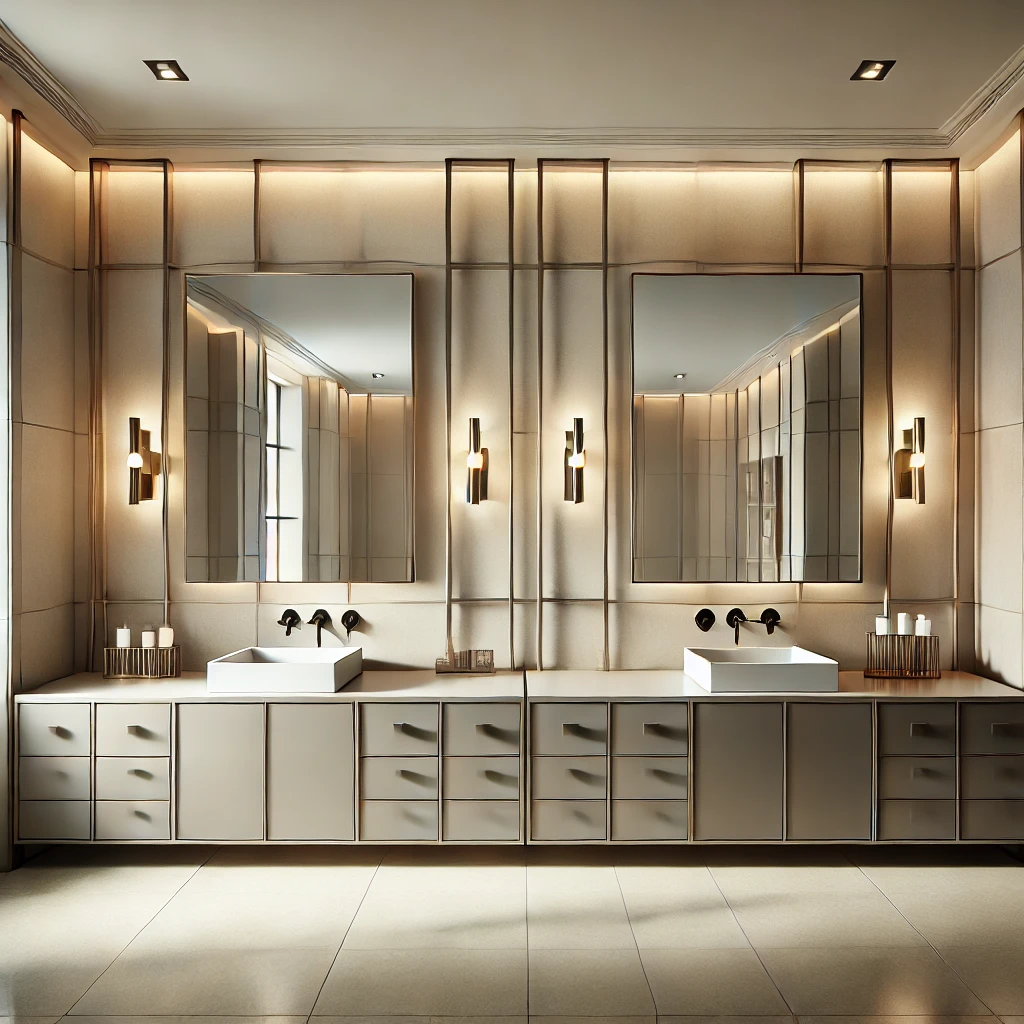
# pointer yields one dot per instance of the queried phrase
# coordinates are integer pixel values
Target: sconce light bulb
(917, 460)
(475, 460)
(578, 461)
(134, 460)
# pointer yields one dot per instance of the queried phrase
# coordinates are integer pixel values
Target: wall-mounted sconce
(476, 466)
(908, 464)
(575, 460)
(143, 464)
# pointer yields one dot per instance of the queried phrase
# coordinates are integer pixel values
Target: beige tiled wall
(999, 417)
(681, 220)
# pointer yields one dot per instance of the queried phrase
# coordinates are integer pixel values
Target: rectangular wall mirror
(746, 427)
(299, 414)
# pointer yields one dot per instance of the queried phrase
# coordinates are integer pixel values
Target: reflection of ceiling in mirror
(707, 326)
(359, 324)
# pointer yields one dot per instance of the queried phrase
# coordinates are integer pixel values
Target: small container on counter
(124, 636)
(883, 625)
(904, 624)
(165, 636)
(922, 626)
(148, 636)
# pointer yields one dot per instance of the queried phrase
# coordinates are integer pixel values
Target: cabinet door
(220, 771)
(737, 771)
(310, 771)
(828, 776)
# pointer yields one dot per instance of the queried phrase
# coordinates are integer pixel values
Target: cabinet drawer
(397, 820)
(568, 778)
(143, 820)
(48, 730)
(396, 729)
(917, 778)
(481, 821)
(481, 728)
(569, 728)
(132, 778)
(992, 728)
(643, 820)
(53, 819)
(481, 778)
(398, 778)
(920, 728)
(133, 730)
(567, 820)
(53, 778)
(649, 778)
(992, 778)
(917, 819)
(651, 728)
(992, 819)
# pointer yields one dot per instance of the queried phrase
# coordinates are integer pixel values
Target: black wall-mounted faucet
(290, 619)
(770, 618)
(350, 620)
(705, 619)
(733, 618)
(321, 618)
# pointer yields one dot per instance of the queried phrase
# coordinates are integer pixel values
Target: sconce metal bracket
(573, 489)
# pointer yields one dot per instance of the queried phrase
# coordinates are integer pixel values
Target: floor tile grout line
(154, 916)
(739, 924)
(337, 952)
(636, 944)
(925, 939)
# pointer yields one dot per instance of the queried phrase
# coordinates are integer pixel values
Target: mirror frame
(632, 440)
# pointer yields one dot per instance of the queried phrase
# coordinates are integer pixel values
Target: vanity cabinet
(220, 772)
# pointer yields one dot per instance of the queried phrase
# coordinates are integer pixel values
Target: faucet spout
(321, 618)
(290, 619)
(733, 618)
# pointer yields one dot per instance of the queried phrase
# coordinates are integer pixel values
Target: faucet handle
(321, 617)
(770, 618)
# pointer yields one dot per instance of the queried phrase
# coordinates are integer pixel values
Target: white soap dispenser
(922, 626)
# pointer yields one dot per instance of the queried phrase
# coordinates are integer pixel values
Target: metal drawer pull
(58, 730)
(141, 772)
(917, 772)
(652, 727)
(664, 773)
(141, 814)
(495, 776)
(919, 728)
(583, 775)
(1002, 727)
(135, 730)
(399, 726)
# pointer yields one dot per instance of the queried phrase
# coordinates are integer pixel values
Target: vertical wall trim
(604, 332)
(165, 382)
(511, 416)
(449, 646)
(540, 416)
(257, 167)
(890, 428)
(799, 185)
(1020, 181)
(954, 224)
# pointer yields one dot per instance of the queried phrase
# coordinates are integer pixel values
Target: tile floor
(399, 935)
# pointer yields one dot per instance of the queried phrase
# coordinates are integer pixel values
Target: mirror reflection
(299, 414)
(746, 427)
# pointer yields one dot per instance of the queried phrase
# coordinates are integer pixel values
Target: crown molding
(21, 60)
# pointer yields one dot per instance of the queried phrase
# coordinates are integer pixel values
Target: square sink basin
(761, 670)
(284, 670)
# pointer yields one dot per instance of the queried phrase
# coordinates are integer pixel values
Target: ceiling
(630, 77)
(358, 324)
(707, 326)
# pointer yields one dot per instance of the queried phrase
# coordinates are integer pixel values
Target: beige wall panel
(573, 375)
(480, 388)
(207, 631)
(83, 381)
(524, 399)
(525, 233)
(998, 361)
(333, 215)
(922, 564)
(47, 203)
(48, 345)
(47, 645)
(81, 219)
(999, 513)
(47, 523)
(525, 550)
(213, 213)
(132, 360)
(968, 350)
(133, 214)
(745, 217)
(921, 214)
(82, 538)
(651, 214)
(969, 443)
(573, 636)
(572, 214)
(843, 215)
(997, 202)
(479, 215)
(968, 211)
(998, 644)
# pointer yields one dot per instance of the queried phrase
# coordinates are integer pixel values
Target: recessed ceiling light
(680, 376)
(377, 376)
(166, 70)
(872, 70)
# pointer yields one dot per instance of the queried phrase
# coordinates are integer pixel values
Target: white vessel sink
(761, 670)
(284, 670)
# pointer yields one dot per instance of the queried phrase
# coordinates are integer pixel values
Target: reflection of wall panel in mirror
(297, 469)
(746, 428)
